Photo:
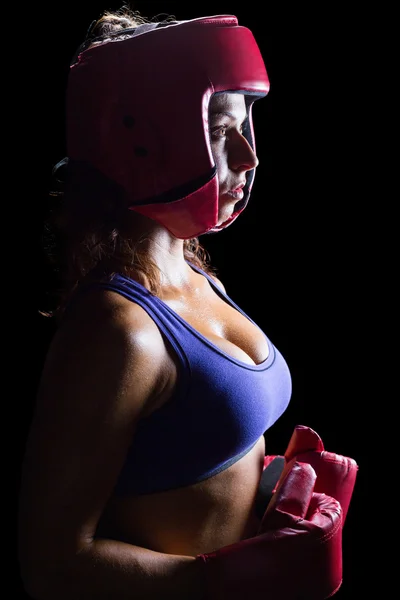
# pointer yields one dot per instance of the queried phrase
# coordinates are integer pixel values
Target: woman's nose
(241, 155)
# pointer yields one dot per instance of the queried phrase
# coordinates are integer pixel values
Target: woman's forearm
(110, 569)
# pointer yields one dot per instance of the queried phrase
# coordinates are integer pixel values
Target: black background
(298, 260)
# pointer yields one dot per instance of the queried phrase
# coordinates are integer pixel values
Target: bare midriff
(195, 519)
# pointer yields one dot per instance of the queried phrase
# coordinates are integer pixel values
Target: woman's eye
(220, 132)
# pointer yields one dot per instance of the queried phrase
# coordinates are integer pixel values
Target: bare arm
(98, 378)
(110, 569)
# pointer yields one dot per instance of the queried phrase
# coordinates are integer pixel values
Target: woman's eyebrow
(222, 113)
(226, 113)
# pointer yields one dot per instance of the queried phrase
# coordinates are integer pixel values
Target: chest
(223, 325)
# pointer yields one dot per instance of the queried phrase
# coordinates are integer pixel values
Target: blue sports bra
(220, 409)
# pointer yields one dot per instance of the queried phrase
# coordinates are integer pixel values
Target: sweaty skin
(220, 510)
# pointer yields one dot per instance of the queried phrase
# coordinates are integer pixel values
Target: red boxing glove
(336, 474)
(298, 554)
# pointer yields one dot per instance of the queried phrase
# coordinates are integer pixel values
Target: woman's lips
(236, 194)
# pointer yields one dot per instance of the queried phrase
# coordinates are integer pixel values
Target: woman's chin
(224, 222)
(225, 215)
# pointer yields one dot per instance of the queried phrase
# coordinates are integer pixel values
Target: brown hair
(87, 234)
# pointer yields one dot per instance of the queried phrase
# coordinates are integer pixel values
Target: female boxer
(146, 449)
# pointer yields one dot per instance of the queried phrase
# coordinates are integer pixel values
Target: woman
(146, 449)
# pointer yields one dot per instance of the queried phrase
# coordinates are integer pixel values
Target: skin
(232, 153)
(109, 366)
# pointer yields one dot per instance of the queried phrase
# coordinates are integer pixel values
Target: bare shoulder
(105, 331)
(107, 348)
(107, 359)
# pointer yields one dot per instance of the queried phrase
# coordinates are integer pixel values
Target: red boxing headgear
(137, 112)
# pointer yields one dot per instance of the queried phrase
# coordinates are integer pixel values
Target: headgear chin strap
(137, 112)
